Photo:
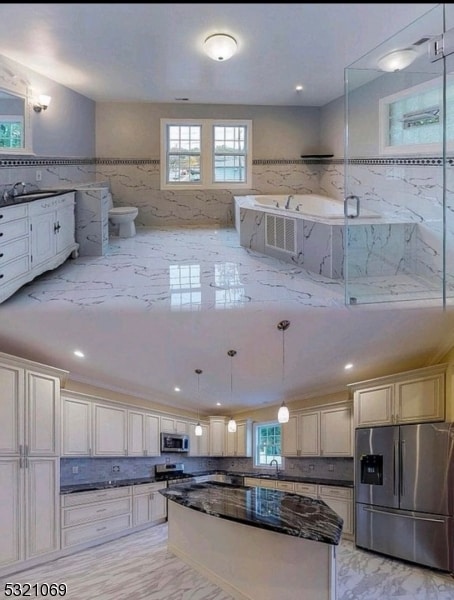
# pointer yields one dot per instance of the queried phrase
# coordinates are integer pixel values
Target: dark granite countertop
(300, 479)
(102, 485)
(290, 514)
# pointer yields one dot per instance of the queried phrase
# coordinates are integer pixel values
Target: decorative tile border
(432, 161)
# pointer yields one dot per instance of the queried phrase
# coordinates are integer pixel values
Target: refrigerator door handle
(395, 467)
(401, 469)
(385, 512)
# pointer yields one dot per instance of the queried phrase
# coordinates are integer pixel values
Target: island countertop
(282, 512)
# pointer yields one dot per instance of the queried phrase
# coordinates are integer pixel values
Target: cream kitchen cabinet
(340, 500)
(199, 445)
(76, 426)
(324, 432)
(149, 506)
(411, 397)
(170, 425)
(29, 463)
(239, 443)
(110, 430)
(217, 436)
(143, 434)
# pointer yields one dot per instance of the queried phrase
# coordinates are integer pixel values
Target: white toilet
(122, 217)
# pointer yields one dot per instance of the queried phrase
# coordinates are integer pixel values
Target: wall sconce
(283, 414)
(42, 103)
(220, 46)
(397, 60)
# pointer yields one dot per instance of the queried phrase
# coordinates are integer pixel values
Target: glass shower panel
(394, 169)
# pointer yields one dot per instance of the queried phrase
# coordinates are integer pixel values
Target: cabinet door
(217, 437)
(158, 506)
(152, 446)
(308, 434)
(374, 406)
(204, 441)
(141, 509)
(230, 442)
(11, 410)
(290, 437)
(109, 431)
(11, 511)
(168, 425)
(76, 433)
(136, 442)
(181, 426)
(336, 430)
(344, 508)
(421, 400)
(43, 235)
(42, 415)
(66, 229)
(244, 439)
(42, 514)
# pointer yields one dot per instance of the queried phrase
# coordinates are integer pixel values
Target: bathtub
(312, 205)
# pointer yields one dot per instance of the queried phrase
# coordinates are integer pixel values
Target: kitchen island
(255, 543)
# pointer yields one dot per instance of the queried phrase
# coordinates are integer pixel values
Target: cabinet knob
(1, 216)
(1, 275)
(1, 255)
(1, 233)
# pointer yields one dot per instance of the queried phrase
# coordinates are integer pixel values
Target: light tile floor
(139, 567)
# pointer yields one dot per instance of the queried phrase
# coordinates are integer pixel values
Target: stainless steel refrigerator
(404, 489)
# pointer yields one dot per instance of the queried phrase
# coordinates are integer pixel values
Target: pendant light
(283, 414)
(231, 427)
(198, 428)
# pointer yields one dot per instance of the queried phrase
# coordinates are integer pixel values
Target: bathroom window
(411, 121)
(204, 154)
(267, 445)
(11, 131)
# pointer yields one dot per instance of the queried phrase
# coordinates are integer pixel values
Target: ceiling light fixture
(220, 46)
(231, 427)
(177, 389)
(348, 366)
(79, 353)
(397, 60)
(42, 103)
(198, 428)
(299, 88)
(283, 414)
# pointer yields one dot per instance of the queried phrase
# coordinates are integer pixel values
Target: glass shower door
(397, 234)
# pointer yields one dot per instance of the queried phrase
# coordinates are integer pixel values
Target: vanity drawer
(13, 269)
(334, 491)
(13, 229)
(147, 488)
(306, 489)
(89, 497)
(11, 213)
(266, 483)
(13, 250)
(76, 515)
(285, 486)
(93, 531)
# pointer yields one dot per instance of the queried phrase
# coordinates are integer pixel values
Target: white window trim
(206, 155)
(405, 149)
(254, 442)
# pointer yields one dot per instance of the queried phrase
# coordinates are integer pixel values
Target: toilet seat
(123, 210)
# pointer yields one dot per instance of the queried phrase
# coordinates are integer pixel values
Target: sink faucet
(277, 465)
(287, 206)
(12, 193)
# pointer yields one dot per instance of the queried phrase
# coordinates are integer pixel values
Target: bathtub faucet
(287, 204)
(297, 208)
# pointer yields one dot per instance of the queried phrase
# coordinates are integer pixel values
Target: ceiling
(154, 52)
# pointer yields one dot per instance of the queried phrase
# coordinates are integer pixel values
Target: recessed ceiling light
(79, 353)
(348, 366)
(218, 404)
(177, 389)
(299, 88)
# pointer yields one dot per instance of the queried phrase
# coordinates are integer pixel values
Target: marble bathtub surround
(290, 514)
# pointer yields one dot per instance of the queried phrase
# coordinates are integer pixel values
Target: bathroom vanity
(37, 234)
(255, 542)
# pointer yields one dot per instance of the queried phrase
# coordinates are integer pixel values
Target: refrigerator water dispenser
(372, 469)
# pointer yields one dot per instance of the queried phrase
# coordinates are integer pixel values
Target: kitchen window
(206, 154)
(267, 445)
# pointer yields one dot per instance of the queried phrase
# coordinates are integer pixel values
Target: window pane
(229, 168)
(11, 134)
(229, 139)
(183, 138)
(183, 167)
(268, 444)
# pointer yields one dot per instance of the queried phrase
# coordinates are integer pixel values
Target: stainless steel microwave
(174, 442)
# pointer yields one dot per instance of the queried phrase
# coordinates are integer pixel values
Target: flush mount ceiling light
(198, 428)
(231, 426)
(283, 414)
(220, 46)
(397, 60)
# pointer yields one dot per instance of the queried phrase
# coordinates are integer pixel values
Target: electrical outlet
(330, 467)
(311, 467)
(39, 175)
(291, 465)
(115, 468)
(75, 470)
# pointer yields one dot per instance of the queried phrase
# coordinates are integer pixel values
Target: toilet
(122, 217)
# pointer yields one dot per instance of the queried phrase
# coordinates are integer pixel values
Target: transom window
(267, 445)
(198, 154)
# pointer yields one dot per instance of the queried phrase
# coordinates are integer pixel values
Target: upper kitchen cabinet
(217, 436)
(327, 431)
(239, 443)
(199, 445)
(169, 425)
(411, 397)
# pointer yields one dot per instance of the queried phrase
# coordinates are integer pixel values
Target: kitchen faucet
(287, 206)
(277, 465)
(13, 191)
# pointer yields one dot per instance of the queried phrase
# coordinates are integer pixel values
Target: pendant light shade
(397, 60)
(231, 426)
(283, 414)
(198, 428)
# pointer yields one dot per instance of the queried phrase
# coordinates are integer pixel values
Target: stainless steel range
(172, 472)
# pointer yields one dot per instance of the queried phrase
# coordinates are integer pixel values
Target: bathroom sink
(30, 196)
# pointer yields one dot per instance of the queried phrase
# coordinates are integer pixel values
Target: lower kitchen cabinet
(29, 516)
(148, 505)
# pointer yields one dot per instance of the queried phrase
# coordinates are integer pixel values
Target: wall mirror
(15, 113)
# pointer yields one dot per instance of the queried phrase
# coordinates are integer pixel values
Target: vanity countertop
(289, 514)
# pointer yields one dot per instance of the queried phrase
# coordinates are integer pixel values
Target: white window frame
(405, 149)
(14, 119)
(206, 155)
(255, 428)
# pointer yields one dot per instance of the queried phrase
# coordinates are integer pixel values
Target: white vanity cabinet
(411, 397)
(29, 462)
(35, 237)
